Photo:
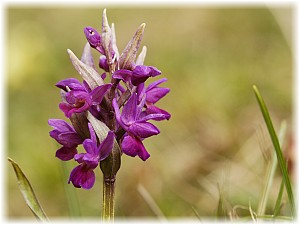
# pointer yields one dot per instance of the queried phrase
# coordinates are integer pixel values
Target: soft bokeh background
(211, 56)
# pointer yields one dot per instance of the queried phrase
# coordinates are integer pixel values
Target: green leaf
(274, 138)
(28, 193)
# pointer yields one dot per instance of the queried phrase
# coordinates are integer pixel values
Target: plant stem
(108, 208)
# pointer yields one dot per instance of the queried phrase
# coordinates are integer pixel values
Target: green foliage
(28, 193)
(279, 154)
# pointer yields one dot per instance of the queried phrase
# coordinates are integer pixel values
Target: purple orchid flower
(83, 175)
(153, 94)
(139, 74)
(65, 135)
(136, 126)
(79, 99)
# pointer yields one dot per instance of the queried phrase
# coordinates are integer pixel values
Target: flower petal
(103, 63)
(75, 97)
(156, 83)
(140, 74)
(65, 153)
(157, 116)
(90, 147)
(66, 108)
(152, 109)
(154, 71)
(98, 93)
(60, 125)
(117, 113)
(155, 94)
(69, 139)
(106, 145)
(132, 146)
(122, 74)
(82, 176)
(92, 133)
(143, 129)
(129, 110)
(72, 83)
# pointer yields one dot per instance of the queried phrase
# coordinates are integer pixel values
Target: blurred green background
(211, 56)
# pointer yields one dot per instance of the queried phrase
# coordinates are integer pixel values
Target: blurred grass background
(211, 56)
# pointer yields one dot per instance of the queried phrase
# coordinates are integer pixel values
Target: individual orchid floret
(153, 94)
(83, 175)
(136, 126)
(65, 135)
(78, 101)
(94, 38)
(139, 74)
(130, 121)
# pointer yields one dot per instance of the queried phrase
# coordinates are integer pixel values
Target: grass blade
(196, 213)
(221, 210)
(271, 168)
(280, 159)
(28, 193)
(150, 201)
(278, 201)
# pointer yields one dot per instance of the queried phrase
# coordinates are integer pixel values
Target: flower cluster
(112, 117)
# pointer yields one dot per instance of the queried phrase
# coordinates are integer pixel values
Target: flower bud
(92, 36)
(103, 63)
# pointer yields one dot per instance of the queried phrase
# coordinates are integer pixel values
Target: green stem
(108, 208)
